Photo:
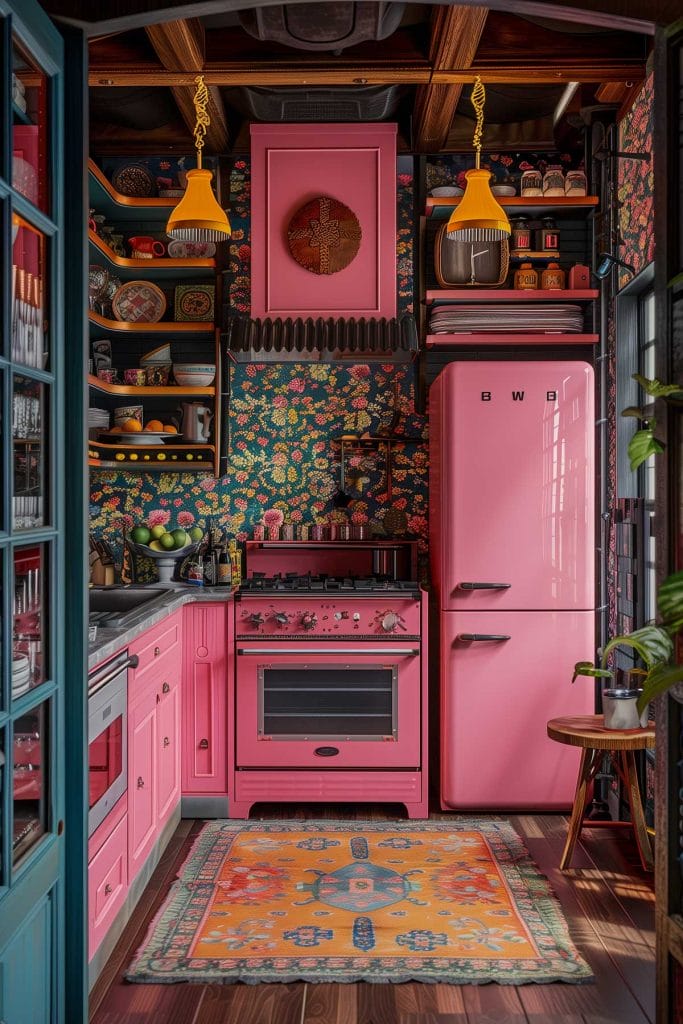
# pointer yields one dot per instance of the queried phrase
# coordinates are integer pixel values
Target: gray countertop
(109, 641)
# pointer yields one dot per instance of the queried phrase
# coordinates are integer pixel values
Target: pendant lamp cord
(201, 99)
(478, 98)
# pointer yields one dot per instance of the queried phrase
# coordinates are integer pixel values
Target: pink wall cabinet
(352, 164)
(206, 662)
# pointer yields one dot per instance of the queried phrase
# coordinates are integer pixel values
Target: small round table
(589, 733)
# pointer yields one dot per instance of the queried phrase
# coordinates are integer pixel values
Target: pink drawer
(107, 885)
(159, 647)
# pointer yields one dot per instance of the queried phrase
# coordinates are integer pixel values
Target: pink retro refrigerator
(512, 550)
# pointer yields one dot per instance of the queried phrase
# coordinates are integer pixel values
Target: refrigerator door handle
(466, 638)
(484, 586)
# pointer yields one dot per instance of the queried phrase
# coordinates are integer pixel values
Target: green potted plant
(655, 646)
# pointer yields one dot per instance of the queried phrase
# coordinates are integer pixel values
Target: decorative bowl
(193, 375)
(162, 354)
(165, 560)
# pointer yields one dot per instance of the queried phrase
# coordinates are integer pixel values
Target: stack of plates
(98, 419)
(502, 318)
(21, 675)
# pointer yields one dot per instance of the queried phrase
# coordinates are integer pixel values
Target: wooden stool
(589, 733)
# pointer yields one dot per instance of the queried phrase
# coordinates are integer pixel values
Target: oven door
(319, 705)
(107, 741)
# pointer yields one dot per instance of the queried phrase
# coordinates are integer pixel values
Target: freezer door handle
(484, 586)
(466, 638)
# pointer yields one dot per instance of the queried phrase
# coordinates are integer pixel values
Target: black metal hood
(382, 340)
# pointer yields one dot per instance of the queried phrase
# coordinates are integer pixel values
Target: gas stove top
(290, 583)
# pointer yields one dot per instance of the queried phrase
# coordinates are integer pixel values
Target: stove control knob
(341, 615)
(390, 621)
(356, 616)
(282, 618)
(309, 620)
(256, 619)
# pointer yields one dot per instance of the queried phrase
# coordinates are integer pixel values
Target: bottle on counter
(224, 565)
(235, 562)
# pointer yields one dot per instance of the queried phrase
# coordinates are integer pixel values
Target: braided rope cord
(201, 99)
(478, 99)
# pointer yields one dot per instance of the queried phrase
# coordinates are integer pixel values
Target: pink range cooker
(330, 692)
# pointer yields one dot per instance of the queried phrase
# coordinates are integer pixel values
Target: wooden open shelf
(161, 327)
(482, 294)
(509, 338)
(537, 206)
(187, 457)
(143, 391)
(155, 268)
(105, 199)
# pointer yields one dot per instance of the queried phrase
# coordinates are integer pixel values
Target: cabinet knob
(204, 744)
(108, 890)
(166, 688)
(141, 782)
(157, 652)
(166, 741)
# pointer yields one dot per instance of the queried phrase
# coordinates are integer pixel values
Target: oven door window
(328, 701)
(105, 760)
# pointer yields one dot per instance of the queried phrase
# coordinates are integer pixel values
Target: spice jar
(575, 184)
(526, 278)
(521, 235)
(532, 183)
(553, 181)
(547, 236)
(552, 277)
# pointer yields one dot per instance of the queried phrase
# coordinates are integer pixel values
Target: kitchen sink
(116, 606)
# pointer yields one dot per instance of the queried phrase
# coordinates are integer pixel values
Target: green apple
(166, 541)
(180, 539)
(196, 534)
(140, 534)
(155, 545)
(157, 531)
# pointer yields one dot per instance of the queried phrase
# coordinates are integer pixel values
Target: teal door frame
(43, 898)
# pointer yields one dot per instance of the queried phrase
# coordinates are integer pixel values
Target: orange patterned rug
(331, 901)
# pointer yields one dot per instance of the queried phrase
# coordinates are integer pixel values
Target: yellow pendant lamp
(198, 217)
(478, 217)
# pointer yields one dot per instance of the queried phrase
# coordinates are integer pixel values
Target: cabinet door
(204, 728)
(167, 751)
(142, 781)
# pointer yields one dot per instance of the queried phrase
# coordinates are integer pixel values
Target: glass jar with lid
(575, 184)
(548, 236)
(553, 181)
(532, 183)
(520, 239)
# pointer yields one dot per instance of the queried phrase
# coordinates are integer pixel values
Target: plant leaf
(635, 411)
(655, 388)
(587, 668)
(658, 681)
(670, 602)
(652, 643)
(642, 445)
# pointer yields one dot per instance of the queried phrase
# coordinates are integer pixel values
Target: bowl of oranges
(132, 431)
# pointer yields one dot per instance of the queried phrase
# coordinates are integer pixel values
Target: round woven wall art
(324, 235)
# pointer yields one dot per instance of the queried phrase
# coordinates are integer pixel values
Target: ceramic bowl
(447, 191)
(194, 375)
(162, 354)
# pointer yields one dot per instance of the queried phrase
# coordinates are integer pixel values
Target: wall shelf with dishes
(141, 362)
(544, 298)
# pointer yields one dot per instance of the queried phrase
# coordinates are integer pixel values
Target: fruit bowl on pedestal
(166, 558)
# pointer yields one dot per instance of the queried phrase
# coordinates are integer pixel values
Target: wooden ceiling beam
(369, 74)
(179, 46)
(455, 36)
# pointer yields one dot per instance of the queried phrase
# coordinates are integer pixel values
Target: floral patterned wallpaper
(284, 420)
(635, 184)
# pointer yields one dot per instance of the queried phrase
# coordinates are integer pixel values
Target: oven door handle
(384, 651)
(131, 662)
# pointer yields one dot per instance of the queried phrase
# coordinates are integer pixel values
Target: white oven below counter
(174, 748)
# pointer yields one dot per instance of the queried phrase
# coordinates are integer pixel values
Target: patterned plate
(191, 250)
(139, 302)
(134, 180)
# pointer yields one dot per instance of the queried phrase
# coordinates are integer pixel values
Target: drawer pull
(166, 741)
(141, 782)
(157, 652)
(326, 751)
(166, 688)
(108, 890)
(204, 744)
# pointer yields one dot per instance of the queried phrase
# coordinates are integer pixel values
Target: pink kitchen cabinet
(142, 780)
(207, 660)
(168, 751)
(107, 884)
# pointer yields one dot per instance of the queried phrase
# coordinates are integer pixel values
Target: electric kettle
(196, 422)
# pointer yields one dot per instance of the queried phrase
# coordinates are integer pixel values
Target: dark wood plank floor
(607, 898)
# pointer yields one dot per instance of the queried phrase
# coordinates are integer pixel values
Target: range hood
(382, 340)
